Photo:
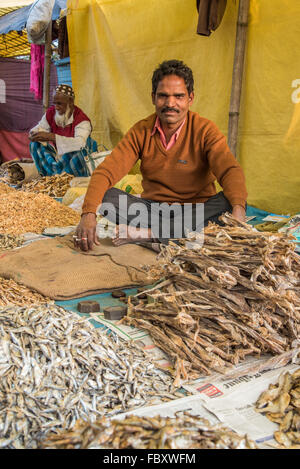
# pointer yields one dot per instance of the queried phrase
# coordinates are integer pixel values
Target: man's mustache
(168, 109)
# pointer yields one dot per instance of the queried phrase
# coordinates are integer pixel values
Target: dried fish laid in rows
(237, 295)
(54, 186)
(56, 368)
(184, 431)
(13, 293)
(9, 241)
(281, 404)
(23, 212)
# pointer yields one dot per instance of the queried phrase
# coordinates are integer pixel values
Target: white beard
(62, 119)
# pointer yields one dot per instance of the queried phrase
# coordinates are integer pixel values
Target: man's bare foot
(129, 234)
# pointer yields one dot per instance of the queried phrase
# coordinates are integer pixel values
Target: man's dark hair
(173, 67)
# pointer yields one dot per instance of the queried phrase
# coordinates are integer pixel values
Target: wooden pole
(47, 62)
(237, 74)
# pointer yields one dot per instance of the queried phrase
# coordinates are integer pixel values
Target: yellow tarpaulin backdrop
(116, 44)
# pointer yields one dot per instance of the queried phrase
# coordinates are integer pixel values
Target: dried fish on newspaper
(56, 368)
(281, 404)
(237, 295)
(184, 431)
(54, 186)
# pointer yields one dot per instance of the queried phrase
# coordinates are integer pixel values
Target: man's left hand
(239, 213)
(42, 137)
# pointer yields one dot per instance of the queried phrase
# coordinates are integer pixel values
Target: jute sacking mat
(54, 268)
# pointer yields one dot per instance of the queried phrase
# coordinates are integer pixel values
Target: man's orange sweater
(184, 173)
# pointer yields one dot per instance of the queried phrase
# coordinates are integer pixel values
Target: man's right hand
(42, 136)
(85, 236)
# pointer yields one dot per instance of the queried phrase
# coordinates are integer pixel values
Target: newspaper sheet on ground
(139, 336)
(227, 398)
(191, 404)
(230, 402)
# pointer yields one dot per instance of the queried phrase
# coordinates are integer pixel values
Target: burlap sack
(55, 269)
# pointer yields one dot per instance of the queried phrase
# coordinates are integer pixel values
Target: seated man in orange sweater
(182, 154)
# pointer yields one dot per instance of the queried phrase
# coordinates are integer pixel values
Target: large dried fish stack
(13, 293)
(183, 432)
(238, 295)
(281, 404)
(55, 368)
(54, 186)
(23, 212)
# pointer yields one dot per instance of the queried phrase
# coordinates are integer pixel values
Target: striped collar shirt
(157, 127)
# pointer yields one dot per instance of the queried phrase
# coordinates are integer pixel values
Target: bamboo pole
(237, 74)
(47, 62)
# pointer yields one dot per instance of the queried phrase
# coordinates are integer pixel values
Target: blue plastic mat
(105, 299)
(259, 215)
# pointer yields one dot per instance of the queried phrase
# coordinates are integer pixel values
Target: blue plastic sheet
(16, 20)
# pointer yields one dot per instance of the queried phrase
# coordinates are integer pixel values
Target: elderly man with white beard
(61, 140)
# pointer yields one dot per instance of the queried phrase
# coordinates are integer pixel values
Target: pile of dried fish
(281, 404)
(5, 172)
(5, 189)
(11, 171)
(182, 432)
(8, 241)
(15, 174)
(54, 186)
(55, 368)
(22, 212)
(12, 293)
(238, 295)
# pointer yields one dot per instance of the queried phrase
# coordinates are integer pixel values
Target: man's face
(61, 102)
(172, 100)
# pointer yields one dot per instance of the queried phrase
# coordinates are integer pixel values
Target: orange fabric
(184, 174)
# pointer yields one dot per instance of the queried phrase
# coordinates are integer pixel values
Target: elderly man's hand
(239, 213)
(42, 137)
(85, 236)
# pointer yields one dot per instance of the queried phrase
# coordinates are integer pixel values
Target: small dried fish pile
(281, 404)
(5, 188)
(55, 368)
(15, 174)
(12, 293)
(183, 432)
(238, 295)
(8, 241)
(11, 172)
(54, 186)
(22, 212)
